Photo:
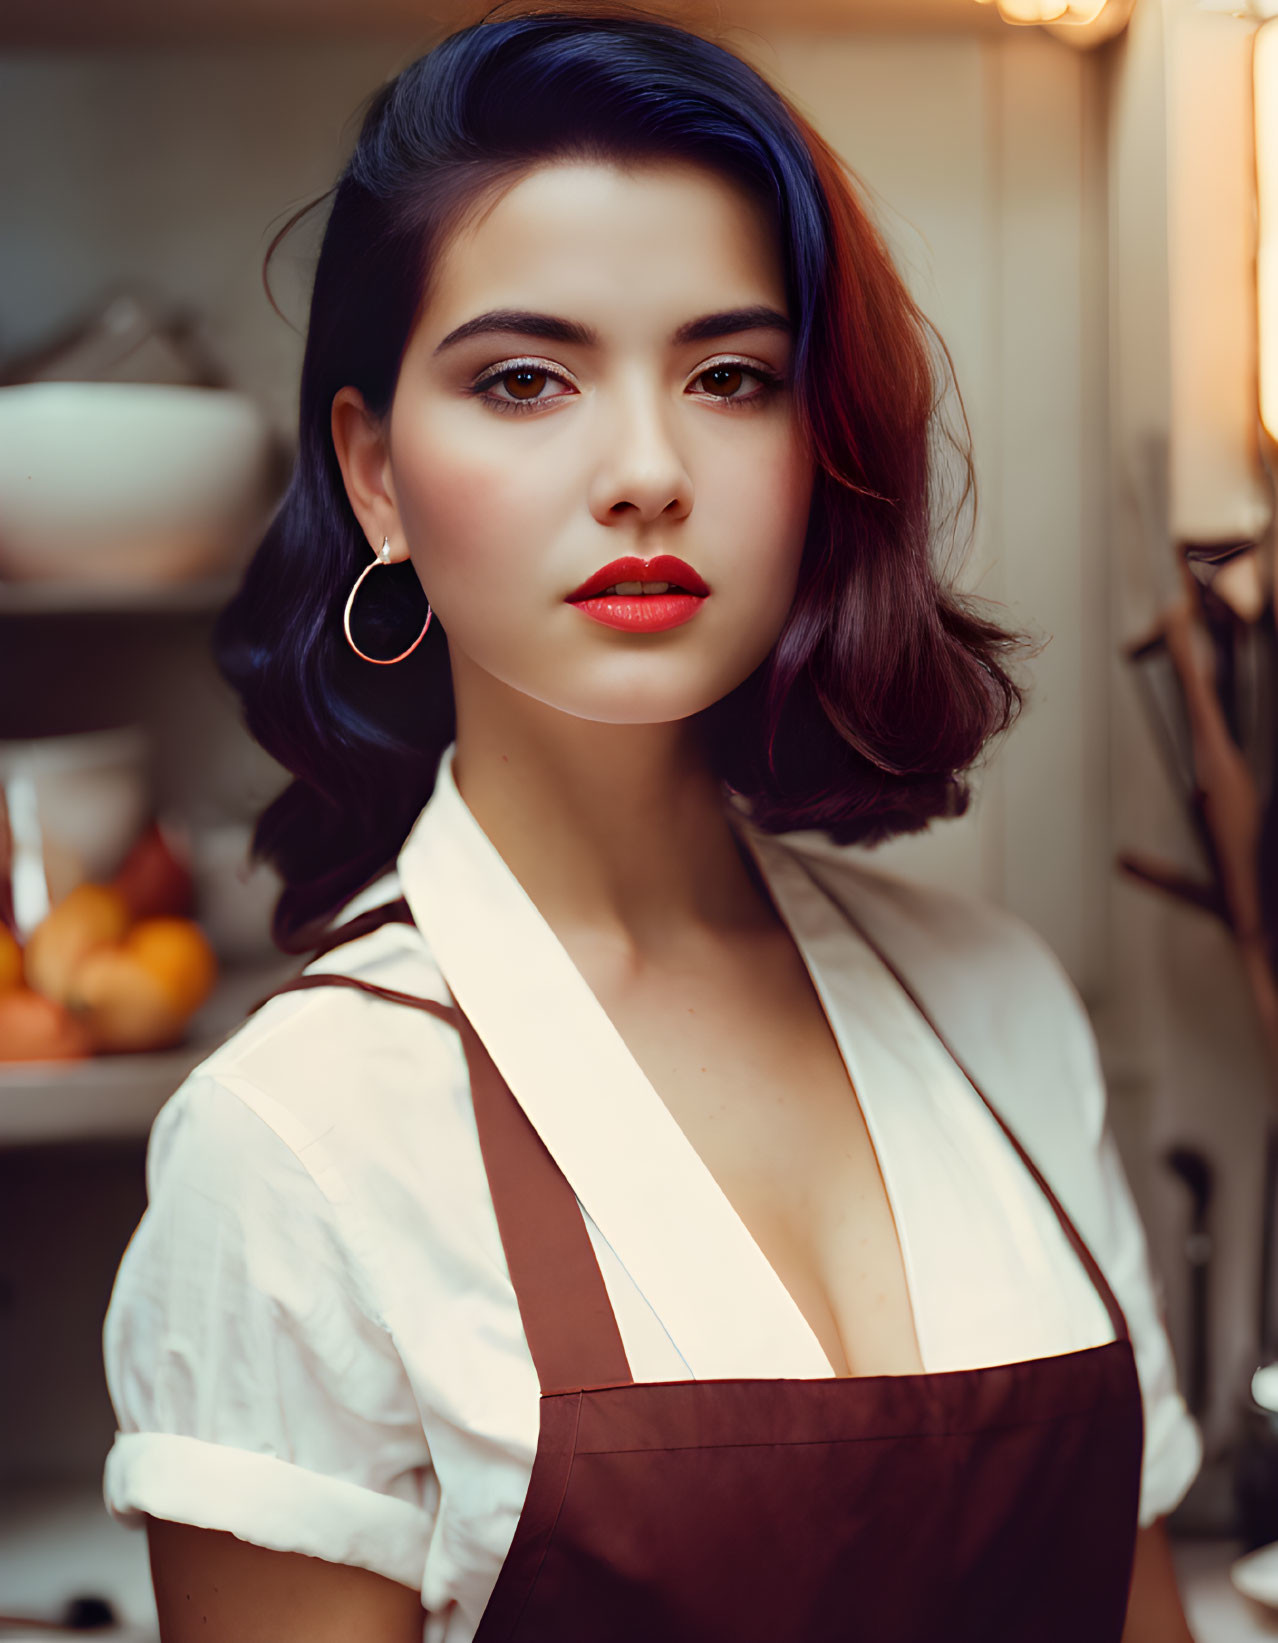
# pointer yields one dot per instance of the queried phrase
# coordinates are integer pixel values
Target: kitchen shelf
(58, 1542)
(118, 1096)
(76, 599)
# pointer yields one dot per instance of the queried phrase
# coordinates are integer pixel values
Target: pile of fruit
(112, 967)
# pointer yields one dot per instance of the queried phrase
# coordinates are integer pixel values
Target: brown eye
(525, 383)
(723, 380)
(520, 387)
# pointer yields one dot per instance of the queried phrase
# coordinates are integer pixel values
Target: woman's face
(602, 371)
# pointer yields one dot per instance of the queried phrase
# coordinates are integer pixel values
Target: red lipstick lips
(642, 612)
(664, 568)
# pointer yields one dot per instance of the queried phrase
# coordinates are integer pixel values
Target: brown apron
(994, 1505)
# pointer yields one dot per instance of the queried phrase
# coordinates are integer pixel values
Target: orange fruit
(85, 918)
(10, 960)
(34, 1028)
(122, 1005)
(177, 953)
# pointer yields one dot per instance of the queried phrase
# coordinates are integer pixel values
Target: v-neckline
(811, 917)
(552, 1038)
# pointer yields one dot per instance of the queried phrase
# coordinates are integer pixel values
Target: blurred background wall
(1022, 183)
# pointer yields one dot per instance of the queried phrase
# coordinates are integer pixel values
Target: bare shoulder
(211, 1585)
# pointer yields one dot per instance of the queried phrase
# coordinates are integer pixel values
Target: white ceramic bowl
(71, 807)
(129, 483)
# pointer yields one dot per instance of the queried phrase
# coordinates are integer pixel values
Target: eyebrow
(550, 328)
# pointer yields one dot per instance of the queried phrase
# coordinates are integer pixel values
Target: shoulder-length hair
(885, 684)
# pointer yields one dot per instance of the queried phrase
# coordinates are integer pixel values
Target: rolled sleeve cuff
(265, 1501)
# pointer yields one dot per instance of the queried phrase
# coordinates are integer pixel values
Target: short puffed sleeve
(1173, 1441)
(255, 1388)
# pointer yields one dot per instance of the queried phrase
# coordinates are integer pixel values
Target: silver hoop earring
(382, 558)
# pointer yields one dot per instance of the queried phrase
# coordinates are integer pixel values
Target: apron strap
(1072, 1234)
(568, 1319)
(563, 1303)
(390, 912)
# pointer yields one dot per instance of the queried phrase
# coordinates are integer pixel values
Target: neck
(618, 832)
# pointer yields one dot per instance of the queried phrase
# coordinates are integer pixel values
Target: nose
(641, 472)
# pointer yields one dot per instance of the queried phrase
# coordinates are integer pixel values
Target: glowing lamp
(1266, 113)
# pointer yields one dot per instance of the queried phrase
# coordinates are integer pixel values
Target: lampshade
(1218, 490)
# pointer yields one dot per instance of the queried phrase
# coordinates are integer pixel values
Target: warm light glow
(1218, 491)
(1266, 72)
(1050, 11)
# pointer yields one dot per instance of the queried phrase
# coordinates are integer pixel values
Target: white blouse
(313, 1341)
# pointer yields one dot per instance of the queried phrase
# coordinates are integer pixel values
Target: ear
(359, 439)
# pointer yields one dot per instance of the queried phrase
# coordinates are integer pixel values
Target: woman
(601, 1240)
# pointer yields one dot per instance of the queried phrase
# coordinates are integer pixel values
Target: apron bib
(993, 1505)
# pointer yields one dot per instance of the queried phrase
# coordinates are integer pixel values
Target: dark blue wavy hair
(885, 684)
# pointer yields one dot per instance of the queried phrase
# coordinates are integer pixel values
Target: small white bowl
(129, 483)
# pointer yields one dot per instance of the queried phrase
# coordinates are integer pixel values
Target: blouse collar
(631, 1166)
